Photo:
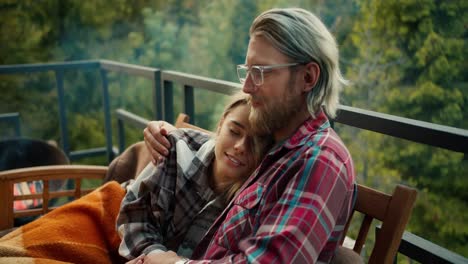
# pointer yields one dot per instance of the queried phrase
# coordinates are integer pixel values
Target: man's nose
(249, 86)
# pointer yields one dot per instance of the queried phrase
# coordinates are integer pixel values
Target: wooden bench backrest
(46, 174)
(393, 211)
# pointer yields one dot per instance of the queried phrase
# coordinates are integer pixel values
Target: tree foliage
(411, 64)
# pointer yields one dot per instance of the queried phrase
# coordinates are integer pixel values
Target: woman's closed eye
(234, 132)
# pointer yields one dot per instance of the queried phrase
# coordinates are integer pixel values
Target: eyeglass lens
(255, 74)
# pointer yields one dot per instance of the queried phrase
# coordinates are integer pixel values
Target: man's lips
(255, 103)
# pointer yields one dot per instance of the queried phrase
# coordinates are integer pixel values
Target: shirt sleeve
(296, 224)
(141, 219)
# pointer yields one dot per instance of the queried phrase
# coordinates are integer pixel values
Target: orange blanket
(82, 231)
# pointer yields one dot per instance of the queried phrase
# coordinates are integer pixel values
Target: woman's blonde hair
(260, 144)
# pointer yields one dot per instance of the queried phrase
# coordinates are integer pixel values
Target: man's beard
(275, 114)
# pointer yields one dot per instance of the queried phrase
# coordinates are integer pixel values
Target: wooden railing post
(6, 208)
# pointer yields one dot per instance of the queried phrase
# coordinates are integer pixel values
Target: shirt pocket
(241, 218)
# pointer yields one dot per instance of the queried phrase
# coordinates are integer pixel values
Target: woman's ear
(311, 75)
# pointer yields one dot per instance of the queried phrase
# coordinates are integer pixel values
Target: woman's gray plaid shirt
(161, 205)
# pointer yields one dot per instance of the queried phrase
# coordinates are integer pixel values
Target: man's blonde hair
(301, 36)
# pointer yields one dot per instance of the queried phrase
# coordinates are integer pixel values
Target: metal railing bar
(131, 118)
(168, 101)
(107, 115)
(131, 69)
(40, 67)
(121, 135)
(86, 153)
(424, 251)
(13, 118)
(157, 96)
(446, 137)
(134, 120)
(10, 117)
(62, 112)
(214, 85)
(189, 103)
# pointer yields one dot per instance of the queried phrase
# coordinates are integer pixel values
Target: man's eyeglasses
(256, 72)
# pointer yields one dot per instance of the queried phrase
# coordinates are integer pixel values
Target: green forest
(403, 57)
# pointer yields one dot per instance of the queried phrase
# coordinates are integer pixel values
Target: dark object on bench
(24, 152)
(18, 153)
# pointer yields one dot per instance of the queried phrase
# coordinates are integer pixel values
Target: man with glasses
(294, 207)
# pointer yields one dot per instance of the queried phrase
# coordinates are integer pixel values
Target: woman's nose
(240, 146)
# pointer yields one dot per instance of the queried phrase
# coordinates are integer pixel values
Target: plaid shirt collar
(199, 175)
(307, 129)
(195, 168)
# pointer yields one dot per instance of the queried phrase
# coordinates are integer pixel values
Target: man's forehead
(258, 51)
(261, 52)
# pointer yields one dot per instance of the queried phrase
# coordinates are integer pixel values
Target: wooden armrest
(45, 174)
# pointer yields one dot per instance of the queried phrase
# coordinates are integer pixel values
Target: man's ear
(311, 76)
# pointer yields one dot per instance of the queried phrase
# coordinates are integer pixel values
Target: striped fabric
(25, 188)
(293, 208)
(164, 201)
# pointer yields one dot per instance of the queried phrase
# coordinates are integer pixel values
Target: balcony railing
(450, 138)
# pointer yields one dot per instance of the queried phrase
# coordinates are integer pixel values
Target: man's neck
(288, 130)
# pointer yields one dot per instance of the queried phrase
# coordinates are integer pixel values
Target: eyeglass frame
(262, 69)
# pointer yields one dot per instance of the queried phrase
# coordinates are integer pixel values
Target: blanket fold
(82, 231)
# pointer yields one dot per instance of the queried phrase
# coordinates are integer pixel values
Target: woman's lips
(234, 161)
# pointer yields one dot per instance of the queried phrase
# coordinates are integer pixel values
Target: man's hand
(156, 142)
(169, 257)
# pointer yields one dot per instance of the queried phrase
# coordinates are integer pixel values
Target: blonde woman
(171, 205)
